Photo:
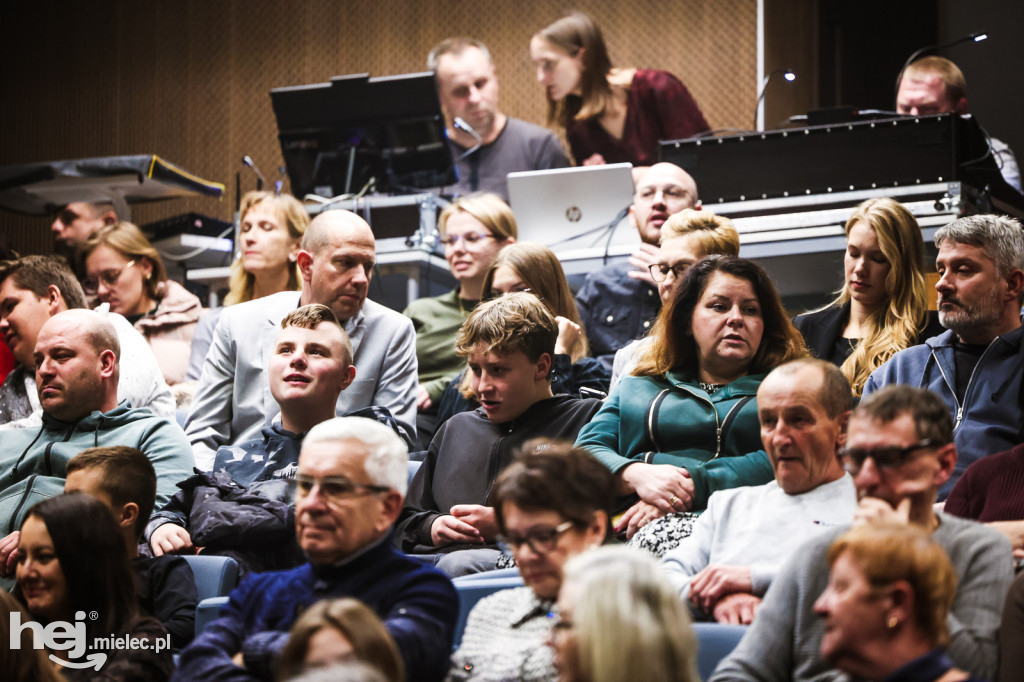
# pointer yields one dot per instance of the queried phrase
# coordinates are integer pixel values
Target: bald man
(233, 402)
(77, 365)
(619, 302)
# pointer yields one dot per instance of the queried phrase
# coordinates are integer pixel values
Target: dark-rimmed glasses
(109, 277)
(891, 457)
(540, 540)
(659, 271)
(333, 488)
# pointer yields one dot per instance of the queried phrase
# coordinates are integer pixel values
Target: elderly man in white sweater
(746, 534)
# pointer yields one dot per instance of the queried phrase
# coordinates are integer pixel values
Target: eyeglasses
(108, 277)
(333, 488)
(660, 272)
(470, 239)
(494, 293)
(887, 458)
(540, 540)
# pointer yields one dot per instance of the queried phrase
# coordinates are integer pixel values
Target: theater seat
(215, 577)
(473, 588)
(715, 642)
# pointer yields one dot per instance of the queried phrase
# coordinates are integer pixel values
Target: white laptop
(553, 205)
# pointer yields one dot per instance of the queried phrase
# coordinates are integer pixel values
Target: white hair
(387, 459)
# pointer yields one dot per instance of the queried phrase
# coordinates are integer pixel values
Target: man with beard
(976, 366)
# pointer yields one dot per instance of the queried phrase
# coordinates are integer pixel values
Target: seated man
(509, 342)
(737, 546)
(233, 401)
(686, 237)
(241, 508)
(34, 288)
(899, 450)
(486, 144)
(977, 367)
(349, 487)
(618, 303)
(76, 360)
(124, 480)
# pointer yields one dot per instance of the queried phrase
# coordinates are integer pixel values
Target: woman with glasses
(686, 237)
(883, 305)
(619, 620)
(610, 115)
(887, 603)
(125, 272)
(532, 267)
(551, 504)
(473, 229)
(685, 423)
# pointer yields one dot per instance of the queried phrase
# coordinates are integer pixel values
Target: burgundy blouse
(658, 107)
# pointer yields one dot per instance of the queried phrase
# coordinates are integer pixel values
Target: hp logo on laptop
(573, 214)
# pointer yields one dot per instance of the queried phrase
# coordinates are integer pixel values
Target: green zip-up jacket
(671, 420)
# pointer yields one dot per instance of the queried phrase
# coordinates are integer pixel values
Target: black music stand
(337, 136)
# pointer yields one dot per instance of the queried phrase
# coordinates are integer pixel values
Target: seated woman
(610, 115)
(685, 425)
(270, 232)
(551, 504)
(23, 661)
(473, 229)
(883, 305)
(886, 605)
(336, 631)
(528, 266)
(621, 621)
(72, 560)
(126, 272)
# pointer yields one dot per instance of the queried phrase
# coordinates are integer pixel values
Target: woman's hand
(666, 486)
(594, 160)
(636, 517)
(423, 400)
(568, 332)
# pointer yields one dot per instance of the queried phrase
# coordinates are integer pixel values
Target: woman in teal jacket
(685, 425)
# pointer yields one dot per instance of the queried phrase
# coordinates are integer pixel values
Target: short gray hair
(387, 459)
(455, 46)
(1001, 237)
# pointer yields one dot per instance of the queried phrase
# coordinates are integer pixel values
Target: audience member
(737, 546)
(125, 481)
(473, 230)
(486, 144)
(233, 401)
(887, 604)
(508, 343)
(352, 671)
(270, 231)
(550, 504)
(992, 491)
(935, 85)
(22, 660)
(620, 621)
(899, 450)
(686, 237)
(73, 563)
(883, 305)
(242, 508)
(685, 425)
(125, 272)
(977, 367)
(77, 367)
(351, 479)
(609, 115)
(77, 221)
(618, 303)
(532, 267)
(336, 631)
(33, 289)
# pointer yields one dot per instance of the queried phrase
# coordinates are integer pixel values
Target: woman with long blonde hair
(883, 305)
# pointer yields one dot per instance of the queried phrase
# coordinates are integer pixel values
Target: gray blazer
(233, 401)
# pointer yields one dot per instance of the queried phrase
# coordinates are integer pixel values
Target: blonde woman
(883, 305)
(621, 621)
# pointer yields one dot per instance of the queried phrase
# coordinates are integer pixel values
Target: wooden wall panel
(189, 80)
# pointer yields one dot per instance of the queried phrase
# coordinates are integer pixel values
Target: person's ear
(54, 300)
(946, 456)
(961, 106)
(901, 604)
(350, 376)
(1015, 284)
(304, 259)
(391, 506)
(108, 363)
(844, 425)
(595, 532)
(129, 515)
(543, 367)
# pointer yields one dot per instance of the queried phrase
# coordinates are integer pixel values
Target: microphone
(462, 125)
(249, 163)
(786, 73)
(970, 37)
